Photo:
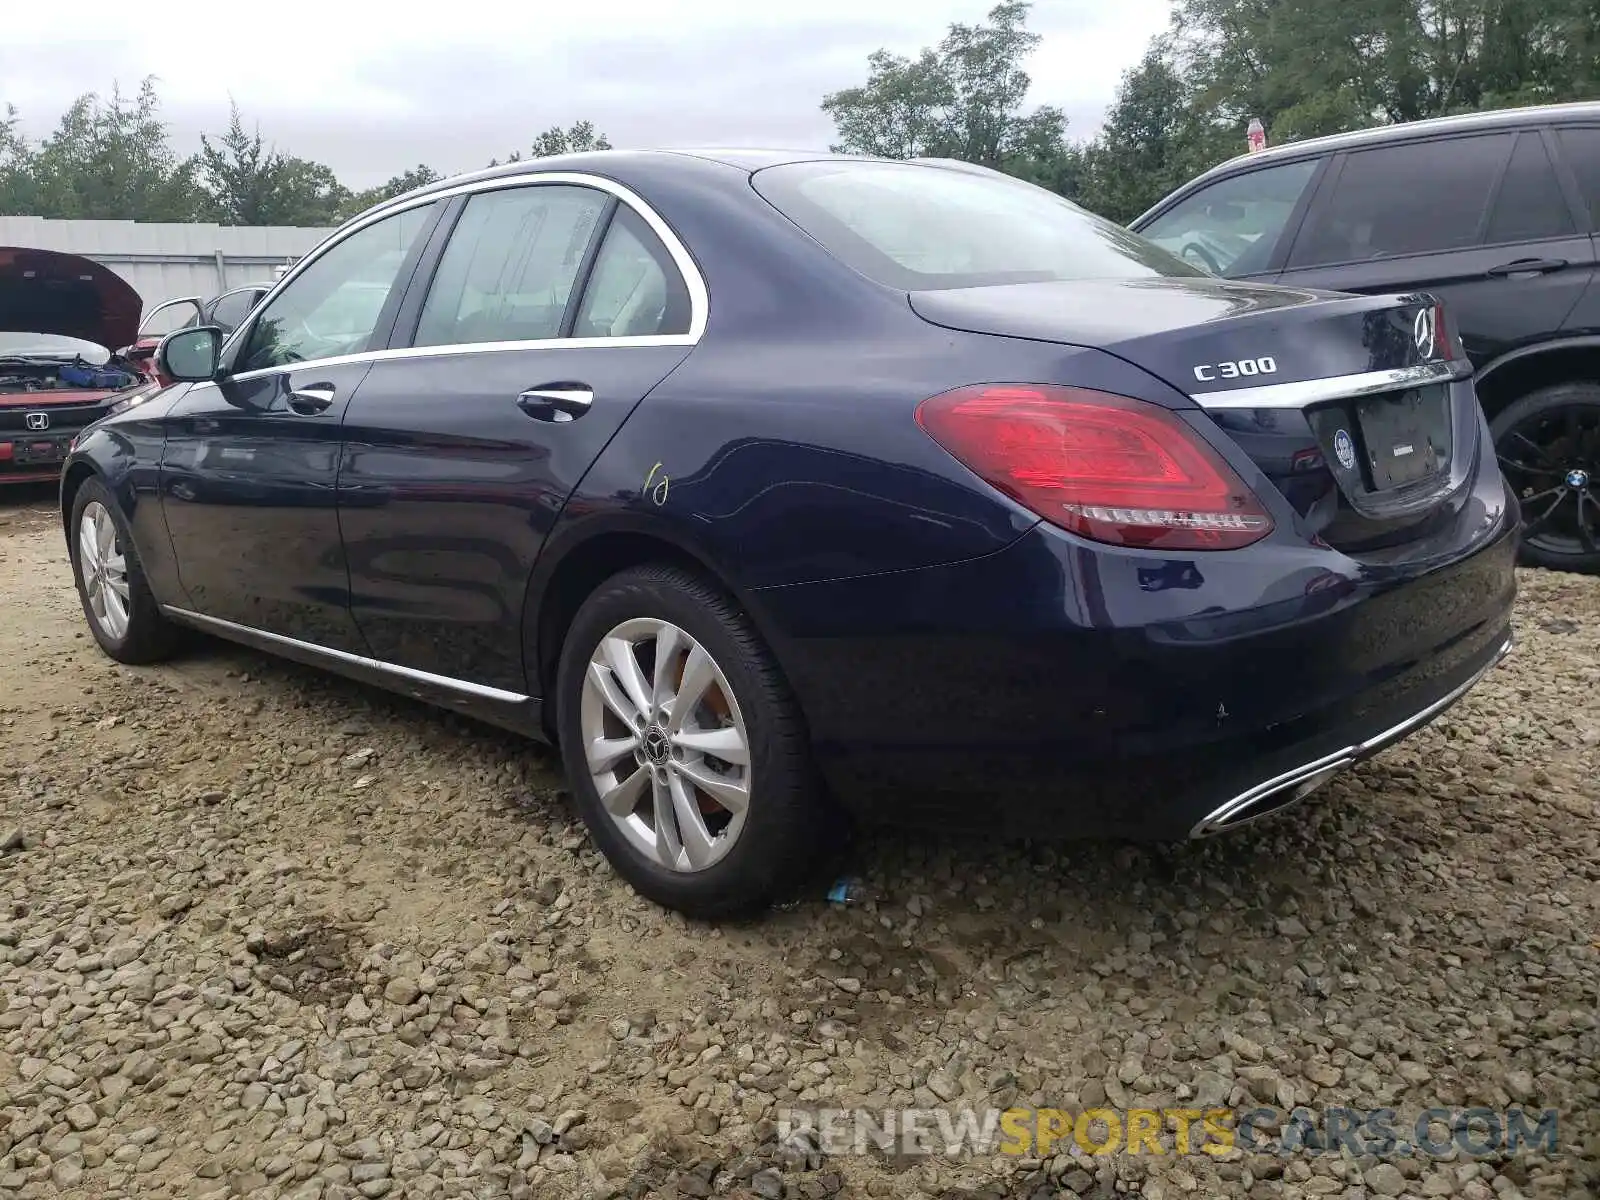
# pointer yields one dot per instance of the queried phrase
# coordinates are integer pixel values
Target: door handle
(557, 402)
(311, 399)
(1527, 266)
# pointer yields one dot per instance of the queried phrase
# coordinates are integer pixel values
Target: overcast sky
(455, 84)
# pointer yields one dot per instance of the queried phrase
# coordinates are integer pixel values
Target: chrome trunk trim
(1338, 387)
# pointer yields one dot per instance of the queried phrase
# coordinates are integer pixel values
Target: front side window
(914, 227)
(1231, 227)
(1393, 201)
(332, 307)
(510, 266)
(635, 289)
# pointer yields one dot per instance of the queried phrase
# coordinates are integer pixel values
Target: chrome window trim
(1307, 392)
(463, 686)
(694, 281)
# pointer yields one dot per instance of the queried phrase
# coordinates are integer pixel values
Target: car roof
(602, 162)
(1499, 118)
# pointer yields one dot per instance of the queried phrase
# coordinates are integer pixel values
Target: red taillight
(1103, 466)
(1441, 334)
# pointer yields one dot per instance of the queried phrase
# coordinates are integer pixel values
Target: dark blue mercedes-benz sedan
(768, 484)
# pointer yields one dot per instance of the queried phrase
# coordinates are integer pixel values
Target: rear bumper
(1059, 689)
(1277, 792)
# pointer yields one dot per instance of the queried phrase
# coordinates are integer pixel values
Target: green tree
(1154, 138)
(313, 195)
(1307, 67)
(962, 99)
(398, 185)
(581, 136)
(18, 190)
(248, 182)
(578, 138)
(111, 160)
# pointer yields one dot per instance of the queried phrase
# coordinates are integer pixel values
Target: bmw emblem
(1577, 478)
(1344, 447)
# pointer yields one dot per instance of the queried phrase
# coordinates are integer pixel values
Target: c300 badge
(1344, 448)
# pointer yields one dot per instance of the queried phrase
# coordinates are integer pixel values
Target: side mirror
(190, 355)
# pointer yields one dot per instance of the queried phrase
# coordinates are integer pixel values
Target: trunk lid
(1359, 409)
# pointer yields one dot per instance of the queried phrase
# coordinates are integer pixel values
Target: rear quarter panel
(783, 463)
(785, 449)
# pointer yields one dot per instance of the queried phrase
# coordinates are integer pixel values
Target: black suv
(1495, 213)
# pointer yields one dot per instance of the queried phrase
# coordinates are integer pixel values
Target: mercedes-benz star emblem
(38, 421)
(1424, 333)
(1344, 447)
(657, 747)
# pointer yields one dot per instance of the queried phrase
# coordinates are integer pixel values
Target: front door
(552, 312)
(251, 462)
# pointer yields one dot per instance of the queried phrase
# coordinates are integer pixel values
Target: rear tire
(1540, 454)
(123, 614)
(706, 835)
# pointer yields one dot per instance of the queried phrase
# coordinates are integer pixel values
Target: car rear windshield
(915, 228)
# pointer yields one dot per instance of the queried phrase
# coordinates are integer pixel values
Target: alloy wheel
(1552, 459)
(666, 744)
(104, 568)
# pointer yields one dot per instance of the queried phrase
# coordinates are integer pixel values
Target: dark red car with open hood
(60, 314)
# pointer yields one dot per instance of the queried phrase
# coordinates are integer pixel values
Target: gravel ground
(266, 933)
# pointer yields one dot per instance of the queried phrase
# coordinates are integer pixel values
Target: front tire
(123, 615)
(687, 754)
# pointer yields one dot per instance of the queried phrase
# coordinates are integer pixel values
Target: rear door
(1479, 220)
(1579, 146)
(553, 307)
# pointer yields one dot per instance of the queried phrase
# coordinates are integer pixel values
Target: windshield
(914, 227)
(51, 345)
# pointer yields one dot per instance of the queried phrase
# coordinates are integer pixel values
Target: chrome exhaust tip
(1270, 797)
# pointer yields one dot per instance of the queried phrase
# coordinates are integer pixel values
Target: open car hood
(50, 291)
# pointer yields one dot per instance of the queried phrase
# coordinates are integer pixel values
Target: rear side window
(509, 268)
(1531, 204)
(635, 289)
(1231, 227)
(1581, 148)
(1399, 200)
(914, 227)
